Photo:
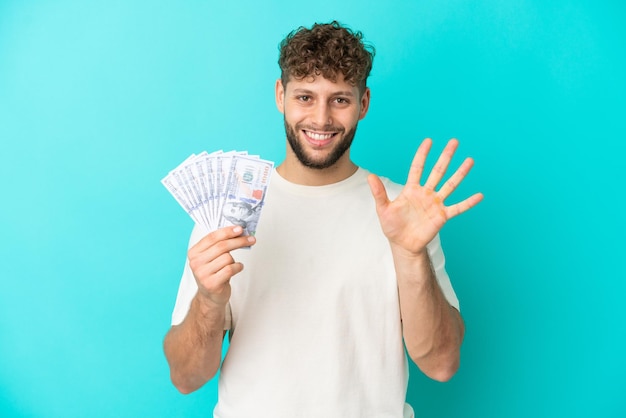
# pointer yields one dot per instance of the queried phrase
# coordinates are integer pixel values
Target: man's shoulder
(393, 189)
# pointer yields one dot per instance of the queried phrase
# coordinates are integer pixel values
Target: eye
(342, 101)
(304, 98)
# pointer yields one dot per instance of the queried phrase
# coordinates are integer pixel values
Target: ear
(280, 96)
(365, 103)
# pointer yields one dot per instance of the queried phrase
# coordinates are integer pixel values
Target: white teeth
(318, 137)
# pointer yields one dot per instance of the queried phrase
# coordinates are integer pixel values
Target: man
(339, 279)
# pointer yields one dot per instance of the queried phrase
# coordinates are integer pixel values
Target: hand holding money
(213, 266)
(223, 192)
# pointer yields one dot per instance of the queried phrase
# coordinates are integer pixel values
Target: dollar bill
(248, 179)
(219, 189)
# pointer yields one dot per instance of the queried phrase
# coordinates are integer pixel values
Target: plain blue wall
(99, 99)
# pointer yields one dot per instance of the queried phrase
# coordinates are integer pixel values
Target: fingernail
(237, 229)
(251, 239)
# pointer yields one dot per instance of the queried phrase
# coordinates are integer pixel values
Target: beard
(335, 154)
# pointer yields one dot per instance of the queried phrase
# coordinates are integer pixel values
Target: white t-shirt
(314, 316)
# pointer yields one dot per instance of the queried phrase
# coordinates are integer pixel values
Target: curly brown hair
(326, 49)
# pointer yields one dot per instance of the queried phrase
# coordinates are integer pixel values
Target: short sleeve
(438, 262)
(188, 287)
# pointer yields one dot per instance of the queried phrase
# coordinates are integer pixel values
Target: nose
(322, 115)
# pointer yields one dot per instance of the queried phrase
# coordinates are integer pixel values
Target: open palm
(415, 217)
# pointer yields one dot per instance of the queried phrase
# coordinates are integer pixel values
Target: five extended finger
(463, 206)
(441, 166)
(378, 191)
(419, 161)
(453, 182)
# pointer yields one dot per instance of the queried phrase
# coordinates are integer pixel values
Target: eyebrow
(336, 93)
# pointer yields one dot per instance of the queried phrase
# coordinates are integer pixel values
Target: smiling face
(321, 117)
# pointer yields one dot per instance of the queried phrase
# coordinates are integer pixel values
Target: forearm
(432, 329)
(194, 348)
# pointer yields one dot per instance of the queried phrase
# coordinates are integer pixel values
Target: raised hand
(415, 217)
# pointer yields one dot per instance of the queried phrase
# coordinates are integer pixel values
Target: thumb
(378, 191)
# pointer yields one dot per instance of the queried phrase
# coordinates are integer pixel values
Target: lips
(319, 139)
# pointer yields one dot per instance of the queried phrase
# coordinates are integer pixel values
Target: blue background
(99, 99)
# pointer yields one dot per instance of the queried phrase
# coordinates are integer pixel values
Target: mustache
(325, 128)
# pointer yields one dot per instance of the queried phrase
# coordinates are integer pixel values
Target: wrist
(207, 306)
(400, 252)
(412, 267)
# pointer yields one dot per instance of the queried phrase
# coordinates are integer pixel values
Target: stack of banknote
(221, 188)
